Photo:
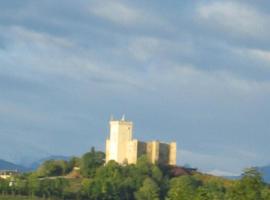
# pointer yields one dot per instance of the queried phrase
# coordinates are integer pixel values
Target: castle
(122, 148)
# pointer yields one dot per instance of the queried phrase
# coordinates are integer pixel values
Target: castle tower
(121, 148)
(117, 145)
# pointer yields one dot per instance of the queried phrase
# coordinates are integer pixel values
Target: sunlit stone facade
(121, 147)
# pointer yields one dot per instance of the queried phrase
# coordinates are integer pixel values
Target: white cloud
(31, 52)
(43, 53)
(145, 48)
(220, 163)
(156, 48)
(13, 111)
(218, 83)
(21, 34)
(217, 172)
(255, 54)
(116, 12)
(125, 14)
(233, 17)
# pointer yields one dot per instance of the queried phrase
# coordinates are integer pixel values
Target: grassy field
(18, 198)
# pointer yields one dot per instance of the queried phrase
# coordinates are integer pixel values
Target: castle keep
(122, 148)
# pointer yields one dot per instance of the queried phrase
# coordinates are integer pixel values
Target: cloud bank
(194, 72)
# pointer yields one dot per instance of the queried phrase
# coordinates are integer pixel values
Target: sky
(194, 72)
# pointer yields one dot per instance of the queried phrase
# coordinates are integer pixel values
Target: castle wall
(142, 148)
(132, 152)
(136, 149)
(173, 153)
(124, 150)
(120, 136)
(108, 150)
(164, 151)
(159, 153)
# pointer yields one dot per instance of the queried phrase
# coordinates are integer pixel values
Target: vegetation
(143, 181)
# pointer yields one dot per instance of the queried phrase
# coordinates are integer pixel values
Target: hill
(37, 163)
(5, 165)
(265, 170)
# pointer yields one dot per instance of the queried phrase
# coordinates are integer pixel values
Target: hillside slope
(5, 165)
(265, 170)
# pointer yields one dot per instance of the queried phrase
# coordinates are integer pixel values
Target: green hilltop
(87, 177)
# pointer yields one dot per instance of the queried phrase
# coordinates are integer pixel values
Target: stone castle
(122, 148)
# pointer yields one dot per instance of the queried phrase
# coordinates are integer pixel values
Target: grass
(19, 198)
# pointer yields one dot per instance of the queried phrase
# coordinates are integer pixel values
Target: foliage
(141, 181)
(210, 191)
(148, 191)
(250, 187)
(183, 188)
(53, 168)
(90, 162)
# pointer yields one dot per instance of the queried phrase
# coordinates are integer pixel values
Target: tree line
(142, 181)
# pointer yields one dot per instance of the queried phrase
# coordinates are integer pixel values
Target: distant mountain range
(6, 165)
(37, 163)
(265, 172)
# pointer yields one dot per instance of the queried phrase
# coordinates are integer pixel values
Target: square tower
(121, 148)
(120, 138)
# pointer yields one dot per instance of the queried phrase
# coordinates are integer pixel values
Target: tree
(148, 191)
(143, 165)
(91, 161)
(210, 191)
(4, 187)
(109, 183)
(73, 162)
(32, 185)
(156, 174)
(182, 188)
(250, 186)
(53, 168)
(266, 193)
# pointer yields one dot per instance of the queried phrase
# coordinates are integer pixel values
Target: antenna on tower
(123, 117)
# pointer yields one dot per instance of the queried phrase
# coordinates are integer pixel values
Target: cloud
(203, 82)
(220, 163)
(13, 111)
(43, 63)
(145, 49)
(38, 38)
(71, 64)
(217, 172)
(117, 12)
(125, 14)
(234, 18)
(255, 54)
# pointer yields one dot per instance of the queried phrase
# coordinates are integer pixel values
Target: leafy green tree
(148, 191)
(53, 168)
(266, 193)
(182, 188)
(32, 184)
(156, 174)
(86, 184)
(108, 183)
(91, 161)
(143, 165)
(250, 187)
(73, 162)
(210, 191)
(4, 186)
(20, 186)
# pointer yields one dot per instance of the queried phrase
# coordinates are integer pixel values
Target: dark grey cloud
(180, 70)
